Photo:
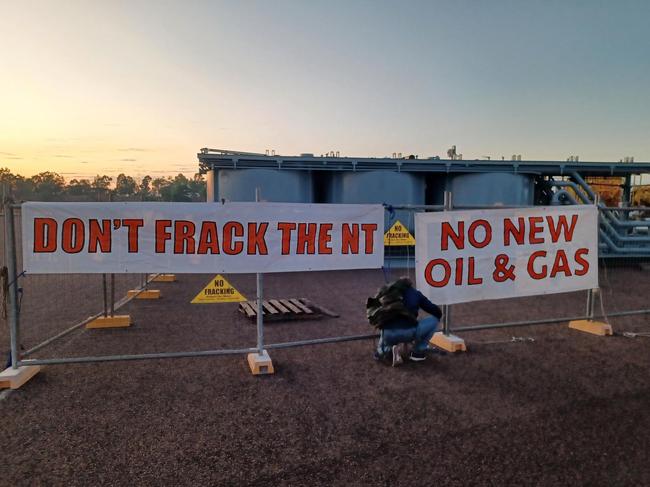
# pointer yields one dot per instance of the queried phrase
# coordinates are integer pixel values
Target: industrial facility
(410, 183)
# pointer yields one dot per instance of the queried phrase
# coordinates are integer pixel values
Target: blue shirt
(414, 300)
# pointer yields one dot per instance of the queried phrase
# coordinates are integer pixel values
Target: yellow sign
(398, 235)
(218, 290)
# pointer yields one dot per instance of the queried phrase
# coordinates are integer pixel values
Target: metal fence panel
(174, 327)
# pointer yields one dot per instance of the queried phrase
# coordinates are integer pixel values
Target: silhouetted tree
(145, 188)
(160, 186)
(198, 188)
(180, 189)
(80, 189)
(48, 186)
(125, 186)
(101, 187)
(18, 186)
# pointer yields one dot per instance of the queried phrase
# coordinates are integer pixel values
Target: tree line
(50, 186)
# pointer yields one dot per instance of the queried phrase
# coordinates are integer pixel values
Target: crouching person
(394, 311)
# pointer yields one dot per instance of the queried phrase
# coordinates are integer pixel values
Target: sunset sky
(103, 87)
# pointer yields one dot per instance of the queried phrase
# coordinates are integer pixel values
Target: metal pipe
(260, 297)
(569, 184)
(112, 295)
(317, 341)
(260, 315)
(566, 194)
(446, 323)
(415, 207)
(114, 358)
(626, 208)
(490, 207)
(105, 295)
(141, 356)
(622, 224)
(594, 294)
(622, 250)
(608, 241)
(60, 335)
(446, 309)
(41, 345)
(118, 358)
(625, 238)
(552, 320)
(203, 353)
(10, 256)
(590, 304)
(583, 184)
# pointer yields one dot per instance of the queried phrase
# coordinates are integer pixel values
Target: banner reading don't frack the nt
(475, 255)
(200, 237)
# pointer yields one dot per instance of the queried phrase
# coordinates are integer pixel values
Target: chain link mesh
(53, 303)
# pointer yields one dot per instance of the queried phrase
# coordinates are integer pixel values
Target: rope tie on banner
(5, 290)
(22, 274)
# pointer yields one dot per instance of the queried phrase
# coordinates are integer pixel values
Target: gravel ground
(567, 408)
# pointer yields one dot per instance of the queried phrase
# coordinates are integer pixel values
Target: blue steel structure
(286, 186)
(414, 182)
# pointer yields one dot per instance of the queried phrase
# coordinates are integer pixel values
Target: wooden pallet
(284, 309)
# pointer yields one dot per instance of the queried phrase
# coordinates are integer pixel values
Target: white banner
(476, 255)
(200, 237)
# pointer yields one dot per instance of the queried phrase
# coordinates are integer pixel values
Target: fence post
(446, 309)
(590, 325)
(260, 315)
(260, 298)
(260, 362)
(105, 295)
(590, 304)
(142, 290)
(112, 295)
(16, 374)
(12, 289)
(444, 339)
(112, 321)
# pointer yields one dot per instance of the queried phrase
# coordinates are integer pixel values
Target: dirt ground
(565, 409)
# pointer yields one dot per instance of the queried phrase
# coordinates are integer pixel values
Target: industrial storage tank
(391, 187)
(284, 186)
(492, 189)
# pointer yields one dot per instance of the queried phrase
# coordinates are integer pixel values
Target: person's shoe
(431, 350)
(420, 356)
(417, 356)
(397, 356)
